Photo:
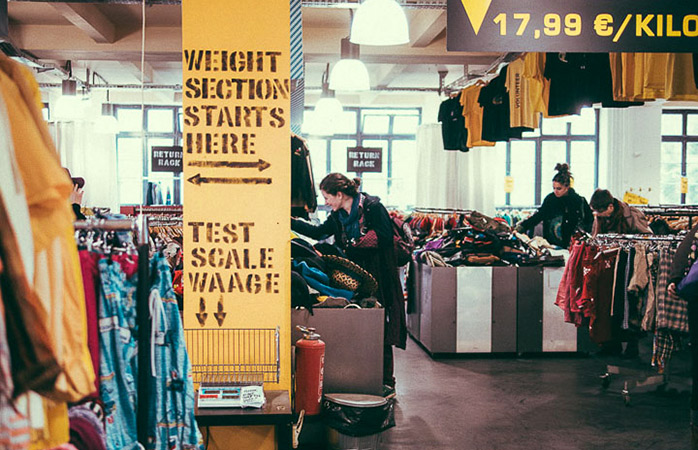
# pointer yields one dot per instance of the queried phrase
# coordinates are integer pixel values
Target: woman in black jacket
(362, 227)
(563, 211)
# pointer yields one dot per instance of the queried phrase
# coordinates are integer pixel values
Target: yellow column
(236, 143)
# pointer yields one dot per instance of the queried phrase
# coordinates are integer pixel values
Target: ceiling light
(107, 123)
(350, 73)
(380, 22)
(69, 87)
(69, 105)
(328, 110)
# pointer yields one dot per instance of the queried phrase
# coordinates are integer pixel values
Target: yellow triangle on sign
(476, 11)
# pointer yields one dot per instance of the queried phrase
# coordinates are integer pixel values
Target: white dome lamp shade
(350, 73)
(380, 22)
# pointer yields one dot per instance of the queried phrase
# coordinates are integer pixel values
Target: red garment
(601, 295)
(570, 288)
(90, 281)
(129, 264)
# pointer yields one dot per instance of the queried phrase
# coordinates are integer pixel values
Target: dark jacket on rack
(302, 184)
(378, 260)
(561, 217)
(682, 261)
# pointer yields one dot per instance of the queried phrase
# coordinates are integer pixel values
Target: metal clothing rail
(638, 237)
(442, 211)
(667, 211)
(139, 226)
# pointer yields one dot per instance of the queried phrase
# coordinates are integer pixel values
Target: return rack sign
(166, 159)
(572, 26)
(364, 159)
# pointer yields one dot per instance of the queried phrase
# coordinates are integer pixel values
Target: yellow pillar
(236, 143)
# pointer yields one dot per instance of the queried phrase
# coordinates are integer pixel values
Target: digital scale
(231, 391)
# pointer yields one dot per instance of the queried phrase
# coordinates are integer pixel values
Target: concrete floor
(530, 403)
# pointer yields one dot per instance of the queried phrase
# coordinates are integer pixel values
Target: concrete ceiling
(106, 38)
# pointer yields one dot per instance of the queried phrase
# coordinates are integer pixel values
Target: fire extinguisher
(310, 367)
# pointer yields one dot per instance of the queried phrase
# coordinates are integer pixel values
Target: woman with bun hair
(563, 211)
(362, 227)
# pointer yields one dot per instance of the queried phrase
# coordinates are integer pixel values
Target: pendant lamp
(68, 106)
(350, 73)
(328, 107)
(380, 22)
(107, 123)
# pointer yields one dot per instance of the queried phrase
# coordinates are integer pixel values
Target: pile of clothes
(323, 277)
(474, 239)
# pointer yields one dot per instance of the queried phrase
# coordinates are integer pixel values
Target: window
(163, 127)
(570, 139)
(679, 156)
(392, 130)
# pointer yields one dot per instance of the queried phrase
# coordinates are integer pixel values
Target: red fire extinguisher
(310, 367)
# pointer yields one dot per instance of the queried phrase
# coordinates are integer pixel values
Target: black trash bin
(356, 421)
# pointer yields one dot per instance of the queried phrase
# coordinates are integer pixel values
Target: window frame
(146, 136)
(568, 139)
(684, 139)
(360, 136)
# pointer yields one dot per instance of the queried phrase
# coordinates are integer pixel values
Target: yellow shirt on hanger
(57, 277)
(472, 111)
(680, 83)
(525, 94)
(655, 65)
(617, 76)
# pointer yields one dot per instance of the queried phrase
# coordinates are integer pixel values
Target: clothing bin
(356, 421)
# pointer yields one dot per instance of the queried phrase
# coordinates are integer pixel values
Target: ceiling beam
(135, 69)
(90, 20)
(426, 27)
(458, 59)
(388, 73)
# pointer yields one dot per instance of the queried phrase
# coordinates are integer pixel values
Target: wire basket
(241, 354)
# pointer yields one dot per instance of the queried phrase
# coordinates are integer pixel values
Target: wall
(630, 150)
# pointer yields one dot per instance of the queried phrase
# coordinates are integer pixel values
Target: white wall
(630, 151)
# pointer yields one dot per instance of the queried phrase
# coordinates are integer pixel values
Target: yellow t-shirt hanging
(680, 82)
(525, 94)
(472, 111)
(655, 75)
(57, 280)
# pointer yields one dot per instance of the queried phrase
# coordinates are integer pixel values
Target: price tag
(509, 185)
(684, 185)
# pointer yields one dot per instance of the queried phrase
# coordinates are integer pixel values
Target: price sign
(572, 26)
(684, 185)
(509, 185)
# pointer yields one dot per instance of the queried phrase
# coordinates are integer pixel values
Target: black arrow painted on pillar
(261, 164)
(202, 315)
(220, 315)
(198, 180)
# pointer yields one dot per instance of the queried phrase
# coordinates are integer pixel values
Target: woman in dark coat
(362, 227)
(563, 211)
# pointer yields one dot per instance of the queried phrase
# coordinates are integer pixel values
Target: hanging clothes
(494, 99)
(171, 419)
(525, 88)
(57, 279)
(118, 355)
(303, 193)
(472, 111)
(453, 131)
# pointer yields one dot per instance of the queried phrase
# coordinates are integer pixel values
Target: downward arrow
(261, 164)
(220, 315)
(198, 180)
(202, 315)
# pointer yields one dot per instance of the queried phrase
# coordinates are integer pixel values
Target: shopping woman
(563, 211)
(614, 216)
(362, 227)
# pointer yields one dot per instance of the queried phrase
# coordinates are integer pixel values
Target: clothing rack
(609, 237)
(670, 211)
(138, 225)
(634, 378)
(470, 78)
(442, 211)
